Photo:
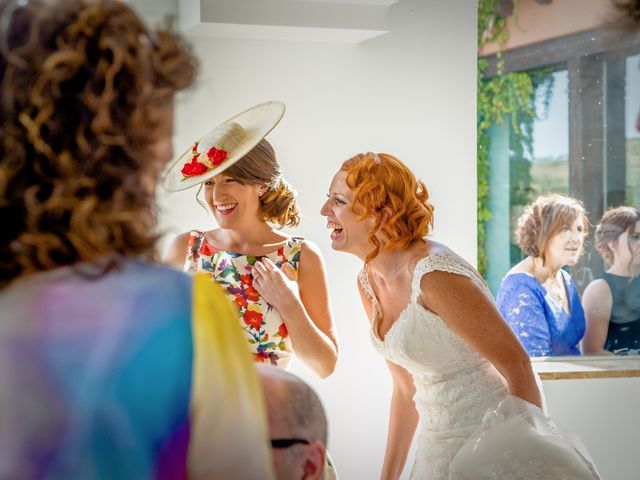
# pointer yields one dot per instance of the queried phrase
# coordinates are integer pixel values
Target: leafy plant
(505, 96)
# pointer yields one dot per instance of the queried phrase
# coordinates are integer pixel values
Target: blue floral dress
(265, 330)
(538, 320)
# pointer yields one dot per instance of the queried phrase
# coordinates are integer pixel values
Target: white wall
(411, 93)
(603, 412)
(596, 397)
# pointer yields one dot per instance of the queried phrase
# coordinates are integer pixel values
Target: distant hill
(550, 174)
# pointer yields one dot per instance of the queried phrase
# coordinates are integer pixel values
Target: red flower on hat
(194, 167)
(216, 155)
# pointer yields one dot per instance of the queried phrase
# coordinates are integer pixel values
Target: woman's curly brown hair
(379, 182)
(545, 217)
(85, 92)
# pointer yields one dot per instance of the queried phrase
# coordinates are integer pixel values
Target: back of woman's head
(614, 223)
(86, 95)
(545, 217)
(260, 167)
(387, 190)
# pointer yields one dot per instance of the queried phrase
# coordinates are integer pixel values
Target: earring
(261, 191)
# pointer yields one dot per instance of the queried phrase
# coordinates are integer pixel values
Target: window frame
(596, 116)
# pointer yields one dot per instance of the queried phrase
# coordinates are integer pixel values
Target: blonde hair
(260, 167)
(380, 181)
(545, 217)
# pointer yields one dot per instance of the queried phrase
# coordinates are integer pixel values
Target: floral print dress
(265, 331)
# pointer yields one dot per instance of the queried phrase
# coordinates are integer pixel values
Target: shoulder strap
(292, 250)
(193, 252)
(363, 278)
(366, 286)
(445, 264)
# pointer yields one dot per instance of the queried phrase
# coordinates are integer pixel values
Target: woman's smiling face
(231, 201)
(349, 233)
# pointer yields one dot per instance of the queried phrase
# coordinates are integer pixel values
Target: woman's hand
(277, 286)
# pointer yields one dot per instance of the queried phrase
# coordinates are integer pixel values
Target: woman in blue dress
(537, 297)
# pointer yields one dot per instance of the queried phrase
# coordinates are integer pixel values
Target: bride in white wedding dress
(456, 365)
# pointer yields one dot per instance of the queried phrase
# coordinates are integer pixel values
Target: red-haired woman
(451, 355)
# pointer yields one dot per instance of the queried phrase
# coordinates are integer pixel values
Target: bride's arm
(403, 420)
(466, 310)
(403, 417)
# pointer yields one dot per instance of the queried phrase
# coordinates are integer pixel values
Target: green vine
(502, 96)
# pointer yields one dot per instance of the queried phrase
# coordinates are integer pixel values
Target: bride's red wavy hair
(379, 181)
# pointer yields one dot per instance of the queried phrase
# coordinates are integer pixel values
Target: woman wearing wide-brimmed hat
(277, 281)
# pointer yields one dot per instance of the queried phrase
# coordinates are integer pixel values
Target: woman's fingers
(268, 264)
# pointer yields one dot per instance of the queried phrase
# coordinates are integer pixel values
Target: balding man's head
(297, 421)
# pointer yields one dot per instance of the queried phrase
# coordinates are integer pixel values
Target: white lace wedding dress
(456, 389)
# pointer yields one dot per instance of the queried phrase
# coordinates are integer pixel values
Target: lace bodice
(419, 340)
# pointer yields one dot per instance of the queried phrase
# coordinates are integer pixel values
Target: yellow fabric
(229, 438)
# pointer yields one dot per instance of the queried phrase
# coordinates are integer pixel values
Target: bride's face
(348, 232)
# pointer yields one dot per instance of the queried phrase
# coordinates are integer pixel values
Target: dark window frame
(596, 117)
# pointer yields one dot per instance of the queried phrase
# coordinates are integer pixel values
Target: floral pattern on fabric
(265, 331)
(537, 319)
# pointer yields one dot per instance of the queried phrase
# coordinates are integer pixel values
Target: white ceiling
(344, 21)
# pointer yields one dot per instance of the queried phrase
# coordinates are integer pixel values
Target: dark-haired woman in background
(612, 302)
(537, 297)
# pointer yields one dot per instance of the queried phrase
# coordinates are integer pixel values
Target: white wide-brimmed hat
(223, 146)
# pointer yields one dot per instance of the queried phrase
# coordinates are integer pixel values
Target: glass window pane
(632, 135)
(524, 165)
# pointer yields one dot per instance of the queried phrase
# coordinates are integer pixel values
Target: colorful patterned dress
(139, 373)
(265, 331)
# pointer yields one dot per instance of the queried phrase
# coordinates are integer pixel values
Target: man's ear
(314, 462)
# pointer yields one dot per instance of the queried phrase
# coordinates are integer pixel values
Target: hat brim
(257, 122)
